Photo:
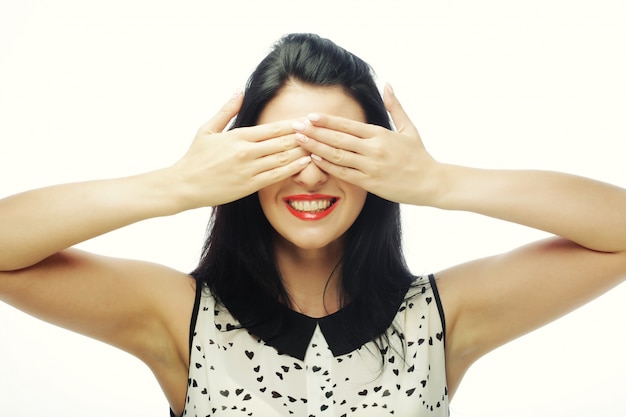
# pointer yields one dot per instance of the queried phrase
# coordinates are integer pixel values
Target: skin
(145, 308)
(489, 301)
(308, 251)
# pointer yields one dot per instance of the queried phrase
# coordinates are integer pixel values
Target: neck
(311, 277)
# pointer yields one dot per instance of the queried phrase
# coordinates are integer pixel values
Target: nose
(311, 177)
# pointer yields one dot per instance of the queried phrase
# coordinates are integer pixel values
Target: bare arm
(36, 224)
(587, 212)
(396, 166)
(139, 307)
(39, 223)
(493, 300)
(127, 303)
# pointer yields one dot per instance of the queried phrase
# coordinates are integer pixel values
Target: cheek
(271, 205)
(262, 196)
(361, 204)
(268, 195)
(264, 200)
(358, 197)
(357, 202)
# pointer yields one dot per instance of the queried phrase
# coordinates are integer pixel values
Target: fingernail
(304, 160)
(317, 158)
(390, 89)
(298, 125)
(301, 138)
(314, 117)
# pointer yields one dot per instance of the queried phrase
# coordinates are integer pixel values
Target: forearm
(587, 212)
(39, 223)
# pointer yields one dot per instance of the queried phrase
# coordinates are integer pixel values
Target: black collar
(290, 332)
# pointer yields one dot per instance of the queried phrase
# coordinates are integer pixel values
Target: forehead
(296, 101)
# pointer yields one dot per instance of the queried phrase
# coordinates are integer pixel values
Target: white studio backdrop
(100, 89)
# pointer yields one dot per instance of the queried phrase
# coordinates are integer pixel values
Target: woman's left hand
(391, 164)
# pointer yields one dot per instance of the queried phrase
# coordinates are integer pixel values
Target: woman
(302, 302)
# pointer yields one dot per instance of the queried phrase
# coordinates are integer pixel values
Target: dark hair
(238, 263)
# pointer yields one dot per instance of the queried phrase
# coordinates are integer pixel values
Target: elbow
(619, 262)
(8, 264)
(13, 264)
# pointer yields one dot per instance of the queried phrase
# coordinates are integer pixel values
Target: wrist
(160, 192)
(449, 186)
(433, 184)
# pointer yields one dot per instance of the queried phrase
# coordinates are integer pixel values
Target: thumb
(229, 110)
(398, 115)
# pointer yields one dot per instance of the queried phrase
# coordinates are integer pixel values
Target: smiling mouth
(310, 207)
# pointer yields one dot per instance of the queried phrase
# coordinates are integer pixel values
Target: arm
(395, 166)
(493, 300)
(587, 212)
(126, 303)
(36, 224)
(39, 223)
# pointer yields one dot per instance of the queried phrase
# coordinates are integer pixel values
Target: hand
(392, 165)
(223, 166)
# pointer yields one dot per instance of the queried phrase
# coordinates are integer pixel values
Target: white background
(99, 89)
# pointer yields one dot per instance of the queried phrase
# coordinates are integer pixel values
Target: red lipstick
(311, 206)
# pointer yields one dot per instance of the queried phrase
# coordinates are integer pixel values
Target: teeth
(310, 205)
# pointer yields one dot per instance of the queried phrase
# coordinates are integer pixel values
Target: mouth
(311, 206)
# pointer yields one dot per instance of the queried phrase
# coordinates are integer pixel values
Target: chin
(311, 243)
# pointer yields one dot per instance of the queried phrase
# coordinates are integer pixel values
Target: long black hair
(238, 263)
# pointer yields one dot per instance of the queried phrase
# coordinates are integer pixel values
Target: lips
(311, 206)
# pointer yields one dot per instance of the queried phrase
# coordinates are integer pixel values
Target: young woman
(302, 303)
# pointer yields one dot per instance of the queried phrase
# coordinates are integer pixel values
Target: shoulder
(493, 300)
(126, 303)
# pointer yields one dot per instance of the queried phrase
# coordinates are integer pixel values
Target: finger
(398, 115)
(267, 131)
(337, 156)
(229, 110)
(278, 159)
(331, 137)
(350, 175)
(341, 124)
(280, 173)
(271, 146)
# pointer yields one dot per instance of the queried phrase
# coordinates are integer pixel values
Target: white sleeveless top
(234, 372)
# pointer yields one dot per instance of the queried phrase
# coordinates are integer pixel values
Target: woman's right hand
(219, 167)
(224, 166)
